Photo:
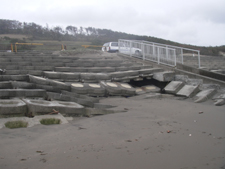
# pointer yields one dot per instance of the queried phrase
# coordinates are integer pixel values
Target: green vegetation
(73, 37)
(16, 124)
(50, 121)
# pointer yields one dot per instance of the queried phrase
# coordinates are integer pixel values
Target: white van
(110, 47)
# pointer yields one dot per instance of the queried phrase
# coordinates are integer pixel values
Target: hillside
(12, 31)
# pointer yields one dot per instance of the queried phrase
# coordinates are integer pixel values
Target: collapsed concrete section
(70, 82)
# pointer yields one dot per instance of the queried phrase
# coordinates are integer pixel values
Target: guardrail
(156, 52)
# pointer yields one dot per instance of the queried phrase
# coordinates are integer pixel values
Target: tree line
(94, 35)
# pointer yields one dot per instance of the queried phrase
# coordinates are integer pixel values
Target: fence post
(199, 62)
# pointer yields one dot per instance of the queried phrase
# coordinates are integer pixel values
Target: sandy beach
(149, 133)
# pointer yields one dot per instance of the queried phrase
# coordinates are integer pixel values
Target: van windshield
(114, 44)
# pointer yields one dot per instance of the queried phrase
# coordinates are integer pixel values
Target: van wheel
(137, 53)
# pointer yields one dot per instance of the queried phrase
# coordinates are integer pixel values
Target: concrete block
(188, 91)
(173, 87)
(70, 76)
(85, 97)
(123, 69)
(182, 78)
(38, 80)
(44, 68)
(87, 76)
(102, 76)
(150, 71)
(102, 106)
(12, 67)
(166, 76)
(52, 75)
(78, 69)
(58, 96)
(12, 72)
(7, 93)
(147, 89)
(35, 72)
(127, 90)
(194, 82)
(210, 86)
(34, 92)
(45, 107)
(219, 102)
(62, 69)
(15, 77)
(79, 88)
(12, 107)
(204, 95)
(96, 90)
(219, 96)
(112, 88)
(48, 88)
(22, 85)
(5, 85)
(60, 85)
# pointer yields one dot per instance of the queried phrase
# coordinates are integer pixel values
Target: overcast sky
(196, 22)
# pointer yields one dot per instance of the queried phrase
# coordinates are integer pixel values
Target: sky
(195, 22)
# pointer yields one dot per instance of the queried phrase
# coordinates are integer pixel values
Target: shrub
(16, 124)
(50, 121)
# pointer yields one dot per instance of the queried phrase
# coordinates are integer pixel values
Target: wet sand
(150, 133)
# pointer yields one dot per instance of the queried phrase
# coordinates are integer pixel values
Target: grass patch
(16, 124)
(50, 121)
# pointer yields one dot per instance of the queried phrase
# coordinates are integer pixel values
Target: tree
(72, 30)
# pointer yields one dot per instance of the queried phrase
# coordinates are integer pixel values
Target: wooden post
(11, 47)
(15, 48)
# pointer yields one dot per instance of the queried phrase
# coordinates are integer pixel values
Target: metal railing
(156, 52)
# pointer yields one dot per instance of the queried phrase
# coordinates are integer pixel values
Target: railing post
(158, 55)
(119, 46)
(199, 62)
(175, 57)
(182, 57)
(130, 48)
(143, 50)
(166, 52)
(153, 51)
